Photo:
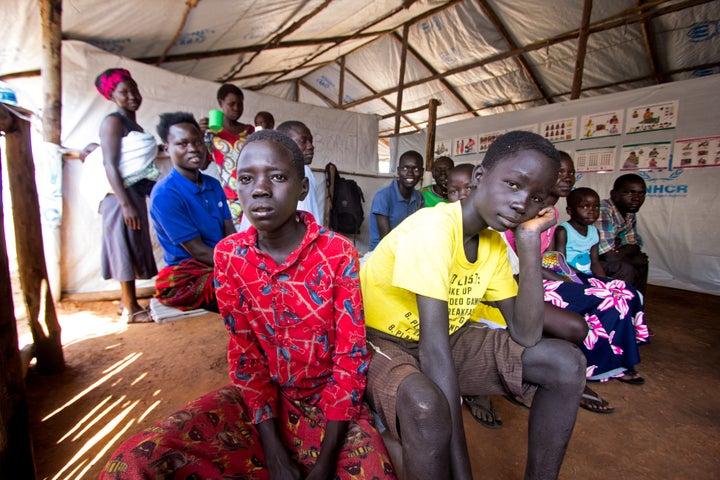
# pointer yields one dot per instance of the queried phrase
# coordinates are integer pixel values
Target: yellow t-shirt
(424, 255)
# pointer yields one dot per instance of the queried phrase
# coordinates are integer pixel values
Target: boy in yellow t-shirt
(420, 288)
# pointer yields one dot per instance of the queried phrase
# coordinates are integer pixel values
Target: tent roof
(478, 57)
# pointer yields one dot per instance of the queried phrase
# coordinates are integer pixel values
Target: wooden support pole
(582, 49)
(16, 459)
(50, 68)
(401, 79)
(341, 89)
(32, 269)
(430, 135)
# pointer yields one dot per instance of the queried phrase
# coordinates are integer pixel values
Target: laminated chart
(646, 156)
(601, 159)
(660, 116)
(696, 152)
(465, 146)
(598, 125)
(559, 130)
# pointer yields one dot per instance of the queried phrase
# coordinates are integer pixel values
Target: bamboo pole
(50, 15)
(16, 459)
(401, 79)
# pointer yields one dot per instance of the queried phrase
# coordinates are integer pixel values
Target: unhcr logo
(663, 183)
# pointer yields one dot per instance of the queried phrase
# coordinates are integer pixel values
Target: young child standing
(577, 239)
(289, 294)
(420, 287)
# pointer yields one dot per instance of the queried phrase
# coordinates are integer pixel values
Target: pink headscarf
(106, 82)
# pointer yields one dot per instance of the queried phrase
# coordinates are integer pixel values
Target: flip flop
(592, 402)
(141, 316)
(519, 401)
(483, 404)
(635, 378)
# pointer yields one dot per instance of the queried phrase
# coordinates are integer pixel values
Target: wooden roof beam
(189, 5)
(394, 11)
(650, 48)
(401, 77)
(432, 70)
(581, 50)
(599, 26)
(279, 36)
(524, 65)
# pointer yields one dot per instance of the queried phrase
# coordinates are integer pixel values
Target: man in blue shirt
(190, 215)
(393, 203)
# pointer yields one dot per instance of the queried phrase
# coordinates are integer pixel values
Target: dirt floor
(122, 378)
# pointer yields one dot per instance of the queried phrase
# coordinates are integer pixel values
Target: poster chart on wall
(601, 159)
(485, 139)
(647, 118)
(697, 152)
(465, 146)
(443, 148)
(562, 130)
(598, 125)
(646, 156)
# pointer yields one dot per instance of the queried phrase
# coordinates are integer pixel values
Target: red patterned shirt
(296, 328)
(226, 149)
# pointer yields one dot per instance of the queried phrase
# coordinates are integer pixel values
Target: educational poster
(528, 128)
(645, 156)
(600, 125)
(465, 146)
(485, 139)
(601, 159)
(697, 152)
(442, 148)
(660, 116)
(559, 130)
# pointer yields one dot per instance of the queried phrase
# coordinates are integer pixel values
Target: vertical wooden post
(401, 80)
(430, 135)
(50, 68)
(16, 460)
(582, 48)
(341, 90)
(29, 245)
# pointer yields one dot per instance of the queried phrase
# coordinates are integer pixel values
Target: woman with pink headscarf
(128, 157)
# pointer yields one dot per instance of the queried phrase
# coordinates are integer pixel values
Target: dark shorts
(487, 362)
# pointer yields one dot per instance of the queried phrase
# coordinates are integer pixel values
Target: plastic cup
(215, 120)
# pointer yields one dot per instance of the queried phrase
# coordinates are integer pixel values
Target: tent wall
(347, 139)
(679, 221)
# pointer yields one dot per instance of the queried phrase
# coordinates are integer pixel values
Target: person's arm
(112, 131)
(383, 224)
(437, 363)
(229, 227)
(560, 239)
(326, 464)
(199, 251)
(277, 457)
(524, 315)
(595, 265)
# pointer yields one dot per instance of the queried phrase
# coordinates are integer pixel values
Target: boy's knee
(423, 411)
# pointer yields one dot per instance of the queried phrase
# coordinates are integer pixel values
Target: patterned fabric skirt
(213, 438)
(186, 286)
(614, 312)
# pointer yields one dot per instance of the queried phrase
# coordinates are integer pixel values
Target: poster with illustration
(528, 128)
(465, 146)
(601, 159)
(562, 130)
(647, 118)
(697, 152)
(645, 156)
(598, 125)
(485, 139)
(443, 148)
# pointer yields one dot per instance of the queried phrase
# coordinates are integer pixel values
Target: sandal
(519, 401)
(482, 410)
(141, 316)
(632, 377)
(592, 402)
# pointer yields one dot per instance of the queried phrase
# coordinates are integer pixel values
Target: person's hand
(544, 220)
(203, 122)
(282, 468)
(131, 217)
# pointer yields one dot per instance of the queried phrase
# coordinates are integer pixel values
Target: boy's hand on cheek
(544, 220)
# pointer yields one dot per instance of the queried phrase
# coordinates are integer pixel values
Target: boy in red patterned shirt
(289, 293)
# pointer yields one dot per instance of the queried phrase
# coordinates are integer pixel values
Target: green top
(431, 198)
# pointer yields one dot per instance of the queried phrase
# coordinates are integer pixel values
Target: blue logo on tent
(701, 32)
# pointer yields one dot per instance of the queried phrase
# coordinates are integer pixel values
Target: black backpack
(346, 199)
